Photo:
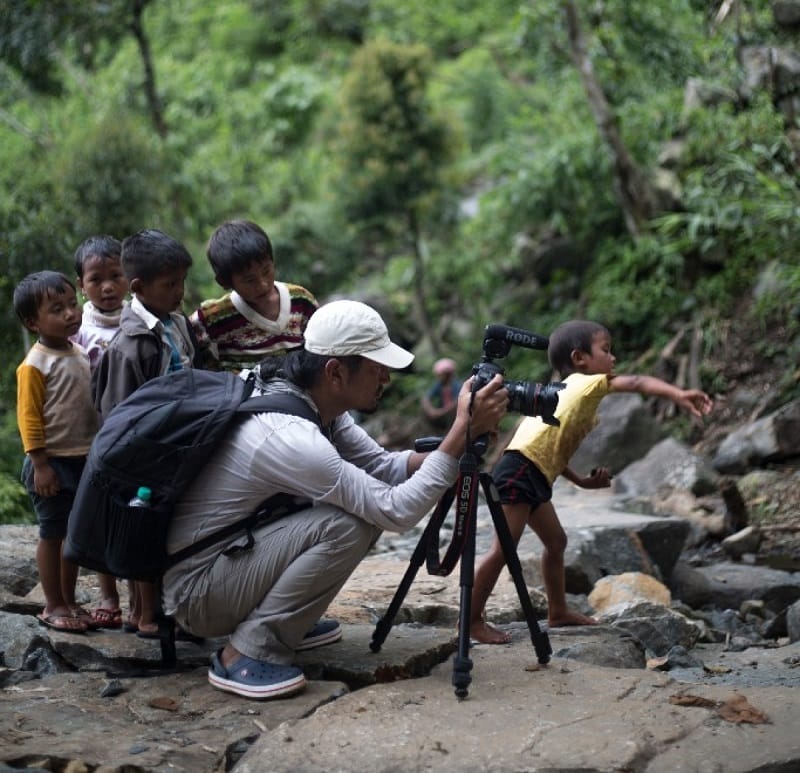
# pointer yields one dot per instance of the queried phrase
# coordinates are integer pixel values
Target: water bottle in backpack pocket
(142, 499)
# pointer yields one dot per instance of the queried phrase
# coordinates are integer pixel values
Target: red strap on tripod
(465, 493)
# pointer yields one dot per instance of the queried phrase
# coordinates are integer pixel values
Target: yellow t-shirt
(551, 448)
(54, 402)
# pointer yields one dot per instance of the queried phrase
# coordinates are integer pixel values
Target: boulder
(770, 439)
(669, 465)
(625, 432)
(657, 627)
(729, 585)
(622, 589)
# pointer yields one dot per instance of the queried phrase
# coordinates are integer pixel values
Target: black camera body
(525, 398)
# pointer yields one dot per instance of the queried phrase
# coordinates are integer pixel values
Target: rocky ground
(85, 703)
(759, 372)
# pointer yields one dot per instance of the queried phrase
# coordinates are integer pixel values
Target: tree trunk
(151, 92)
(636, 196)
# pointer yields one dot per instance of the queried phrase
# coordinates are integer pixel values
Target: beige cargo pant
(268, 596)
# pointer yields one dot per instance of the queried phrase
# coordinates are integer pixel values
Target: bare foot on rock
(570, 618)
(484, 633)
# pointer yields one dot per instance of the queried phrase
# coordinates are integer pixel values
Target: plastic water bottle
(142, 498)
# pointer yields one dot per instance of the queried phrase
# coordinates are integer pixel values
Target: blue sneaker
(324, 632)
(256, 679)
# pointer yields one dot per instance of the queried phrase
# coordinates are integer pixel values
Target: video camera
(527, 399)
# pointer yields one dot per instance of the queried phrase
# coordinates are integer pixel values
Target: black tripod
(463, 546)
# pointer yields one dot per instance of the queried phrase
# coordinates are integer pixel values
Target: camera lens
(534, 399)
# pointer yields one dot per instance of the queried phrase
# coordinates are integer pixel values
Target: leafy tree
(637, 196)
(36, 38)
(110, 177)
(394, 150)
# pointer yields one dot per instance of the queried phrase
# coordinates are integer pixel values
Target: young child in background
(102, 281)
(98, 267)
(154, 338)
(538, 453)
(259, 316)
(57, 422)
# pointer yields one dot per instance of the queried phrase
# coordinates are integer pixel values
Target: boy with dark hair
(580, 351)
(258, 316)
(154, 338)
(57, 422)
(102, 281)
(98, 267)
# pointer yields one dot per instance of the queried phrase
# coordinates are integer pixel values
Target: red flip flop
(107, 618)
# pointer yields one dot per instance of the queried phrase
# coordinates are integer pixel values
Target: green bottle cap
(144, 492)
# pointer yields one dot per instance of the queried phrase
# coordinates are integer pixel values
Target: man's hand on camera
(488, 406)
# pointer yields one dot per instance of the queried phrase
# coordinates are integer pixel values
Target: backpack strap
(271, 509)
(281, 402)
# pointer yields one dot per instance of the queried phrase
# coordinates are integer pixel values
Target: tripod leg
(462, 664)
(384, 625)
(539, 638)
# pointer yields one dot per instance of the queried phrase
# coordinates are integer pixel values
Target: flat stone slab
(522, 716)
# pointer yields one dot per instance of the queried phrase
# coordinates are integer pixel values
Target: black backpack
(160, 437)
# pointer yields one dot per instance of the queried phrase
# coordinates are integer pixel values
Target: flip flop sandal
(107, 618)
(85, 617)
(63, 623)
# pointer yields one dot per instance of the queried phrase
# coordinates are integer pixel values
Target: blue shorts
(53, 512)
(519, 480)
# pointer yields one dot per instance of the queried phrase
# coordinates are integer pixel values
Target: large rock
(518, 716)
(18, 571)
(629, 587)
(658, 628)
(728, 585)
(774, 69)
(773, 438)
(793, 621)
(786, 13)
(669, 465)
(625, 432)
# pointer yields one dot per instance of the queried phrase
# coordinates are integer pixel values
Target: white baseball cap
(343, 328)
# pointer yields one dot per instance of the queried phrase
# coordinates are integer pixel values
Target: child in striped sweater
(258, 316)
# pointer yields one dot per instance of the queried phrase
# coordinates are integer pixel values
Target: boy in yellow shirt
(57, 422)
(580, 351)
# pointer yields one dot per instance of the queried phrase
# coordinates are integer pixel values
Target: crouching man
(268, 596)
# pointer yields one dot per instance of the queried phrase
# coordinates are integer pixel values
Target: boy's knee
(558, 542)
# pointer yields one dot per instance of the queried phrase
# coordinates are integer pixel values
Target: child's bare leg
(545, 523)
(56, 613)
(48, 562)
(107, 613)
(147, 595)
(69, 581)
(133, 605)
(109, 595)
(486, 575)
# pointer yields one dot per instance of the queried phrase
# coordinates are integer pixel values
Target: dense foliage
(443, 159)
